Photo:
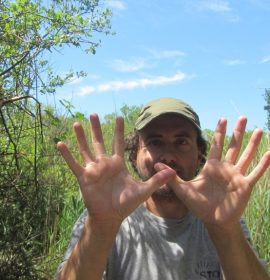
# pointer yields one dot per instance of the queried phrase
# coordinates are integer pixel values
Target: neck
(170, 208)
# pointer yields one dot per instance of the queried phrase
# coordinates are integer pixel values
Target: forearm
(237, 258)
(89, 257)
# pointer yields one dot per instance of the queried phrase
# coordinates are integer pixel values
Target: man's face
(172, 140)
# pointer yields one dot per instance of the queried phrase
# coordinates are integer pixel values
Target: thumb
(175, 180)
(161, 166)
(178, 185)
(162, 177)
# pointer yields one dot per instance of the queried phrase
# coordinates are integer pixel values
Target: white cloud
(85, 90)
(138, 63)
(265, 59)
(132, 65)
(132, 84)
(76, 80)
(166, 53)
(218, 6)
(117, 4)
(234, 62)
(172, 53)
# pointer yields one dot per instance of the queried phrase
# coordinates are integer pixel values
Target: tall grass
(257, 214)
(73, 207)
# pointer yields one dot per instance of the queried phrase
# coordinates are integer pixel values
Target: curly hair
(132, 144)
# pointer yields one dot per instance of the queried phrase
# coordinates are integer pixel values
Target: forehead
(168, 123)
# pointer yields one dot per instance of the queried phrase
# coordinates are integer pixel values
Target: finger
(177, 183)
(156, 181)
(236, 141)
(216, 148)
(250, 151)
(69, 159)
(161, 166)
(97, 137)
(82, 143)
(259, 170)
(118, 139)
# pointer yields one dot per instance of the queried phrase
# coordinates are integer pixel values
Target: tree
(29, 29)
(30, 174)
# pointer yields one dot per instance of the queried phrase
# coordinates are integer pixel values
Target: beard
(164, 193)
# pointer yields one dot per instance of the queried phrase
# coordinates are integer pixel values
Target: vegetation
(257, 214)
(39, 197)
(33, 183)
(40, 202)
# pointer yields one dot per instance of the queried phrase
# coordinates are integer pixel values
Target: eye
(154, 142)
(182, 141)
(183, 144)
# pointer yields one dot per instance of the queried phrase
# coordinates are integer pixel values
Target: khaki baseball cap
(162, 106)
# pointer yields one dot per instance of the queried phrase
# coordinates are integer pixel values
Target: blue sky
(214, 54)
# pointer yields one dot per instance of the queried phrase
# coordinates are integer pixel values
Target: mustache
(178, 169)
(152, 171)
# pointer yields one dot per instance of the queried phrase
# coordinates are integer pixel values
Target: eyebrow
(156, 135)
(153, 135)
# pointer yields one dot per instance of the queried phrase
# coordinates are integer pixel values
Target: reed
(257, 214)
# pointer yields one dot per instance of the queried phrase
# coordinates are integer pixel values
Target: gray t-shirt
(148, 247)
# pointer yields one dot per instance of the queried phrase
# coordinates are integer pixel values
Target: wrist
(235, 253)
(101, 229)
(224, 234)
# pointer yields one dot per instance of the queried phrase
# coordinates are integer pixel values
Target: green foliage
(29, 29)
(129, 113)
(40, 200)
(34, 182)
(31, 190)
(39, 197)
(257, 214)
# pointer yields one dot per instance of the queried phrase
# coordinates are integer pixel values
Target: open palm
(220, 193)
(108, 190)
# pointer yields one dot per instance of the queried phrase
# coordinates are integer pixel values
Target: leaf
(79, 116)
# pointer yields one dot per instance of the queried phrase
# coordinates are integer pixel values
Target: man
(183, 220)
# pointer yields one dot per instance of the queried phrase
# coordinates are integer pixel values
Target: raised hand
(108, 190)
(220, 193)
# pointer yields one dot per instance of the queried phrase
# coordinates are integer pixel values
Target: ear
(201, 159)
(133, 158)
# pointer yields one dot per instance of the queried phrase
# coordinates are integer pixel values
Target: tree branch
(14, 65)
(4, 101)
